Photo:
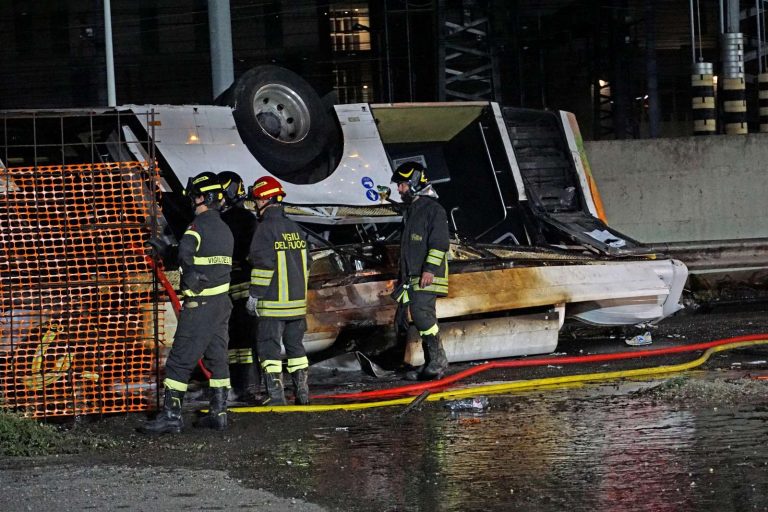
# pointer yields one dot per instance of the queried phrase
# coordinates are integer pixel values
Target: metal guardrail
(717, 254)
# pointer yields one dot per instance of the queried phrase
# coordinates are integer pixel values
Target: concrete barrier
(684, 189)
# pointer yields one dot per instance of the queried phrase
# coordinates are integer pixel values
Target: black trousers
(203, 331)
(242, 332)
(271, 330)
(422, 306)
(242, 335)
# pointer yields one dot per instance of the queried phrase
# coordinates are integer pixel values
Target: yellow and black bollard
(703, 99)
(734, 106)
(762, 82)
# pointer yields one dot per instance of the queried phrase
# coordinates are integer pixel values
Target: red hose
(175, 302)
(415, 389)
(167, 286)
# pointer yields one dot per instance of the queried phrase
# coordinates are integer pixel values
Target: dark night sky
(549, 53)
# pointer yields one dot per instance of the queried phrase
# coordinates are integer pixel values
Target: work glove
(252, 306)
(400, 294)
(401, 319)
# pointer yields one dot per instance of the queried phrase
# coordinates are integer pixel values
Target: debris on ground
(478, 403)
(640, 340)
(697, 392)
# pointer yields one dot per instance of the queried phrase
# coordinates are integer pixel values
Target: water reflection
(559, 450)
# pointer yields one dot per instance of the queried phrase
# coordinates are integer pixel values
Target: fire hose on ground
(710, 348)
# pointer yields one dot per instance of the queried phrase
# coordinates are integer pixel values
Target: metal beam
(111, 94)
(220, 33)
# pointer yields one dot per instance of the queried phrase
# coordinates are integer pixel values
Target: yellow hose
(510, 386)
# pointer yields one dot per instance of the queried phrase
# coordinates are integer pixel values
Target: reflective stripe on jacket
(424, 245)
(205, 254)
(280, 266)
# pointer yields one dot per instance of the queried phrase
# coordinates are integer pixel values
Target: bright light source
(365, 87)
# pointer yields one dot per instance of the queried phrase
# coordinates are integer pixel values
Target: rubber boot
(245, 383)
(437, 361)
(301, 386)
(275, 391)
(217, 413)
(236, 379)
(168, 421)
(252, 379)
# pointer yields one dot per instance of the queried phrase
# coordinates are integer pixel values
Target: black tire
(281, 119)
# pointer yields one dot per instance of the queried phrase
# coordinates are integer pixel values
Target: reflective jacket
(205, 253)
(424, 245)
(279, 266)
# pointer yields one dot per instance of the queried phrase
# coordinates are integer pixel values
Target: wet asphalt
(691, 441)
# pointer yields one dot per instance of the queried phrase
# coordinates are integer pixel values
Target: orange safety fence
(80, 322)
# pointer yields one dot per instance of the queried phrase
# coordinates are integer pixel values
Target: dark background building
(608, 61)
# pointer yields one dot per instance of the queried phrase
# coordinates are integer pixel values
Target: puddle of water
(594, 448)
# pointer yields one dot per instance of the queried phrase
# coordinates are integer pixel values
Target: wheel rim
(281, 113)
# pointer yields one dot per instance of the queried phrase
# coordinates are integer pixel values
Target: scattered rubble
(691, 391)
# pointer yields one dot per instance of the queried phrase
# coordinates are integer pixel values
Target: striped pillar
(733, 97)
(762, 83)
(732, 48)
(734, 106)
(703, 99)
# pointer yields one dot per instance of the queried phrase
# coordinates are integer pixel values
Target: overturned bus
(530, 242)
(85, 194)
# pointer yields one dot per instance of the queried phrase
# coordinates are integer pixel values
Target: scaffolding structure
(468, 70)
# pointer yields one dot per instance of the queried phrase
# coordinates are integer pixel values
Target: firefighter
(278, 294)
(243, 374)
(424, 244)
(205, 253)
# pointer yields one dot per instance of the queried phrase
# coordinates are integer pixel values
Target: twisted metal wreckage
(530, 242)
